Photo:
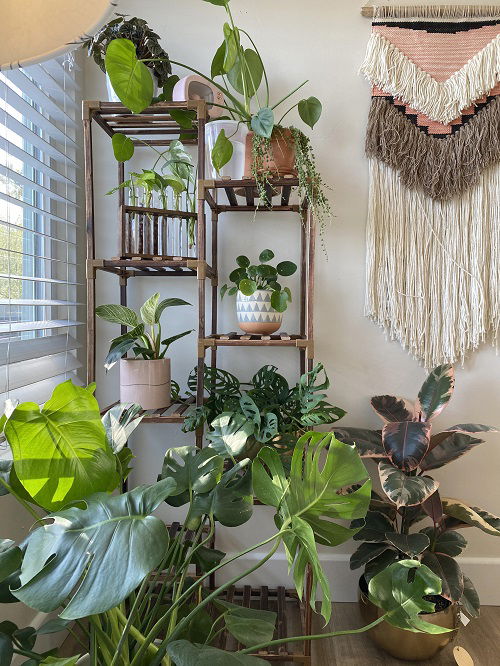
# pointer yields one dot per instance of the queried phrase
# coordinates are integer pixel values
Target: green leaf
(232, 42)
(448, 571)
(448, 543)
(286, 268)
(219, 3)
(279, 300)
(60, 451)
(121, 345)
(400, 590)
(10, 558)
(123, 147)
(406, 443)
(472, 515)
(451, 447)
(310, 110)
(266, 255)
(373, 527)
(250, 409)
(120, 422)
(53, 626)
(250, 626)
(222, 151)
(168, 341)
(118, 314)
(60, 661)
(436, 392)
(378, 564)
(405, 490)
(184, 653)
(247, 287)
(230, 433)
(246, 74)
(391, 408)
(263, 122)
(183, 117)
(269, 428)
(470, 598)
(7, 650)
(131, 79)
(217, 66)
(109, 530)
(168, 88)
(365, 553)
(409, 544)
(367, 442)
(243, 261)
(207, 558)
(195, 471)
(148, 310)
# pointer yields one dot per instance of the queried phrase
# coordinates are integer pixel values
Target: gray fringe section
(436, 11)
(441, 168)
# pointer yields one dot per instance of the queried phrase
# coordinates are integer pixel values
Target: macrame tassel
(436, 11)
(433, 268)
(440, 167)
(392, 71)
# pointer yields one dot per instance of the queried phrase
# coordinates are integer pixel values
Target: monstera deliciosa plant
(106, 558)
(406, 450)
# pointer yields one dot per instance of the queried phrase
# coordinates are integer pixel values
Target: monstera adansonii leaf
(97, 555)
(60, 451)
(400, 588)
(311, 501)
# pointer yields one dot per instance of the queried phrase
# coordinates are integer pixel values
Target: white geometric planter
(256, 314)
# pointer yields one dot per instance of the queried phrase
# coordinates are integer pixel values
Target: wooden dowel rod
(369, 10)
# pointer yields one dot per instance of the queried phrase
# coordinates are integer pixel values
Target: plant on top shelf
(243, 417)
(260, 298)
(144, 380)
(406, 449)
(146, 42)
(270, 149)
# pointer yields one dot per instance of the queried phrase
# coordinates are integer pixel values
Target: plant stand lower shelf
(293, 618)
(175, 413)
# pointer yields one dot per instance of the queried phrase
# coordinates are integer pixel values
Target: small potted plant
(406, 450)
(145, 379)
(146, 42)
(260, 298)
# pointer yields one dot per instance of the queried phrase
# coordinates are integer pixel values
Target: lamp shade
(43, 29)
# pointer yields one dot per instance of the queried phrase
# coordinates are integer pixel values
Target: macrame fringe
(433, 268)
(393, 72)
(440, 167)
(436, 11)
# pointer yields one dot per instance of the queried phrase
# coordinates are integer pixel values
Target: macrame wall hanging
(433, 143)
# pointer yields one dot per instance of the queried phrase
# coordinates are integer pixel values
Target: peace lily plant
(102, 560)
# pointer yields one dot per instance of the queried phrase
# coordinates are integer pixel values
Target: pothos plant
(239, 73)
(245, 417)
(249, 278)
(406, 449)
(106, 559)
(144, 342)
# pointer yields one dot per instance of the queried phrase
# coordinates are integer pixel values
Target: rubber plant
(105, 557)
(406, 450)
(240, 74)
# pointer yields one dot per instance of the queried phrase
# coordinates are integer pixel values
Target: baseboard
(483, 571)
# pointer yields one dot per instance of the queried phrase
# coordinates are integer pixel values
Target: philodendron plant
(249, 278)
(406, 450)
(106, 557)
(143, 342)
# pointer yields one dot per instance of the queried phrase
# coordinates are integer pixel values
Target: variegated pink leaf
(390, 408)
(436, 392)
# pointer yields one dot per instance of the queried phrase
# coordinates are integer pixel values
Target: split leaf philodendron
(406, 450)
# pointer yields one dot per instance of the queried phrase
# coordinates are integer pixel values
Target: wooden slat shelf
(279, 600)
(154, 267)
(247, 340)
(176, 413)
(278, 192)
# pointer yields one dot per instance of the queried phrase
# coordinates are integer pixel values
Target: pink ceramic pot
(146, 383)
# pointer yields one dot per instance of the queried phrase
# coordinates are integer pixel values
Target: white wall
(322, 41)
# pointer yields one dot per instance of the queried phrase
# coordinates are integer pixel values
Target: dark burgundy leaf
(434, 508)
(406, 443)
(449, 449)
(448, 570)
(391, 408)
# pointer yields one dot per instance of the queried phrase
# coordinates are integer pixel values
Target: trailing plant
(146, 42)
(406, 449)
(244, 417)
(143, 342)
(107, 559)
(249, 278)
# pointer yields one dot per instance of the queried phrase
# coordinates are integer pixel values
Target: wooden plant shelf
(176, 413)
(278, 189)
(153, 267)
(283, 602)
(246, 340)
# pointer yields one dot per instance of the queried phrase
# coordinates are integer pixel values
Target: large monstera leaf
(230, 434)
(195, 471)
(312, 499)
(471, 515)
(60, 451)
(436, 392)
(367, 442)
(405, 490)
(400, 590)
(390, 408)
(406, 443)
(95, 556)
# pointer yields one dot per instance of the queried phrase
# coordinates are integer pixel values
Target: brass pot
(407, 645)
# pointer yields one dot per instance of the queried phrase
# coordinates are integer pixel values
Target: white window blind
(40, 274)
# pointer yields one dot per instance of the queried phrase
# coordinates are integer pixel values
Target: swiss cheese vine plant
(406, 450)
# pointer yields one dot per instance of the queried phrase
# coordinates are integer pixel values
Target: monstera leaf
(185, 653)
(390, 408)
(406, 443)
(436, 392)
(60, 451)
(10, 558)
(405, 490)
(195, 471)
(309, 501)
(95, 556)
(230, 434)
(400, 590)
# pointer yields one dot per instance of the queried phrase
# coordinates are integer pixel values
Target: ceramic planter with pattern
(256, 314)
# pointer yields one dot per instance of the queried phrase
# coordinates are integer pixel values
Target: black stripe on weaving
(438, 26)
(412, 117)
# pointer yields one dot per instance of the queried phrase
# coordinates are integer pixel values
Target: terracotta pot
(146, 383)
(256, 314)
(407, 645)
(283, 154)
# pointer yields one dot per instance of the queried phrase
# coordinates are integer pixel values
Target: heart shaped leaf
(246, 74)
(263, 122)
(222, 151)
(310, 110)
(132, 81)
(123, 147)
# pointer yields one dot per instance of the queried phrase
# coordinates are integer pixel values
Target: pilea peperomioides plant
(406, 449)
